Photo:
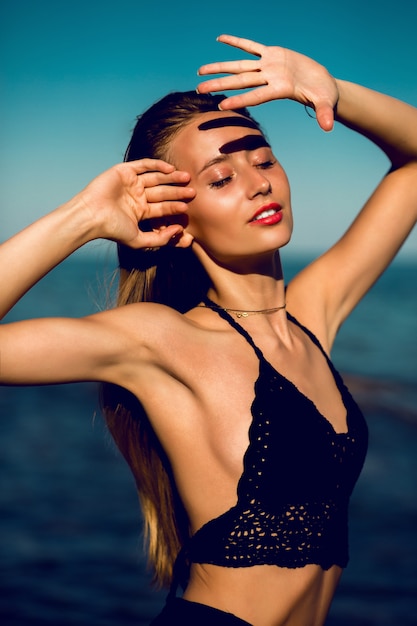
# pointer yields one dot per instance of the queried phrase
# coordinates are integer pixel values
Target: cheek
(204, 212)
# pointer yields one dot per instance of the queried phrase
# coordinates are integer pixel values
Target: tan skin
(200, 408)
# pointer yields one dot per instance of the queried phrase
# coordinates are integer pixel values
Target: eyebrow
(230, 120)
(248, 142)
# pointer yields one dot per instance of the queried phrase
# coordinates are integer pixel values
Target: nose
(258, 183)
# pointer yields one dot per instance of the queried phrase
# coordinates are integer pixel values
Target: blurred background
(74, 76)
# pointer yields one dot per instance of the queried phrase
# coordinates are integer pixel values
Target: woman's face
(242, 205)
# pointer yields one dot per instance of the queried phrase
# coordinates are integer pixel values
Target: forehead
(217, 132)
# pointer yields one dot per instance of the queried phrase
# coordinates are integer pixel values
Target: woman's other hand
(147, 190)
(278, 73)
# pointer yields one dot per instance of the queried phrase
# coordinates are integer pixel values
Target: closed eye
(217, 184)
(265, 165)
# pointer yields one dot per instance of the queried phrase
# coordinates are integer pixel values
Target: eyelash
(218, 184)
(266, 164)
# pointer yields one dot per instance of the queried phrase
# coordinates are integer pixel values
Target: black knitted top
(293, 495)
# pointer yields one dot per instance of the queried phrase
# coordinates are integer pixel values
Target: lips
(268, 214)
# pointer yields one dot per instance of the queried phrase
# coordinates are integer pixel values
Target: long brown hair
(170, 276)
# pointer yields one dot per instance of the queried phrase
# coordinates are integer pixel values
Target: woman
(250, 484)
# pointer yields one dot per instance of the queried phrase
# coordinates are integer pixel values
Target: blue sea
(71, 544)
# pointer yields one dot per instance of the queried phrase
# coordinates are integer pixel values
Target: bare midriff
(266, 595)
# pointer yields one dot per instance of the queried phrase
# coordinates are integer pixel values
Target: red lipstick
(268, 214)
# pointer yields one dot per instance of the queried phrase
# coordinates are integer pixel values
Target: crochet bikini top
(293, 494)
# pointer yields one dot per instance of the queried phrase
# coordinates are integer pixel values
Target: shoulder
(146, 323)
(165, 357)
(307, 300)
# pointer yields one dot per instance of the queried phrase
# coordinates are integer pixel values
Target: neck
(256, 288)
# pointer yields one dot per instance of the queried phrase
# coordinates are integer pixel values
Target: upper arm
(53, 350)
(337, 281)
(56, 350)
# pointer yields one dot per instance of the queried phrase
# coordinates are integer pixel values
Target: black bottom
(180, 612)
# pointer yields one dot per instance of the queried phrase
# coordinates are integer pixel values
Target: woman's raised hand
(277, 73)
(148, 190)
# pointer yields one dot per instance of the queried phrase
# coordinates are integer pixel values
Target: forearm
(110, 207)
(33, 252)
(390, 123)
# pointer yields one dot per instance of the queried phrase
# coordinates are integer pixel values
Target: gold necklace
(241, 312)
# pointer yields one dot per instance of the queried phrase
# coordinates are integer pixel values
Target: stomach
(266, 595)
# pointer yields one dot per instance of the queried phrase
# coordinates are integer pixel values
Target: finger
(152, 179)
(243, 44)
(155, 239)
(141, 166)
(325, 116)
(163, 193)
(227, 83)
(164, 208)
(248, 99)
(183, 239)
(228, 67)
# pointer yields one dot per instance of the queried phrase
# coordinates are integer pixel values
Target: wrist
(78, 223)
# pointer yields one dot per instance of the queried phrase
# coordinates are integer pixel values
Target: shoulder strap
(228, 318)
(307, 331)
(313, 338)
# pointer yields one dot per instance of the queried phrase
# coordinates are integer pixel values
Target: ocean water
(70, 525)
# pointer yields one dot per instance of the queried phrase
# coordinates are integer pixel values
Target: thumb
(325, 116)
(165, 235)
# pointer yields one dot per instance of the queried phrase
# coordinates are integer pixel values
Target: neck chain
(241, 312)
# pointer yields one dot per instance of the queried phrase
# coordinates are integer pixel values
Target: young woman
(217, 383)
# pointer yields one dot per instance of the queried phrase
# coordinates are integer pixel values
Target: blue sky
(74, 75)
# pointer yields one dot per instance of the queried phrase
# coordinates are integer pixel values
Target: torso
(266, 595)
(202, 416)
